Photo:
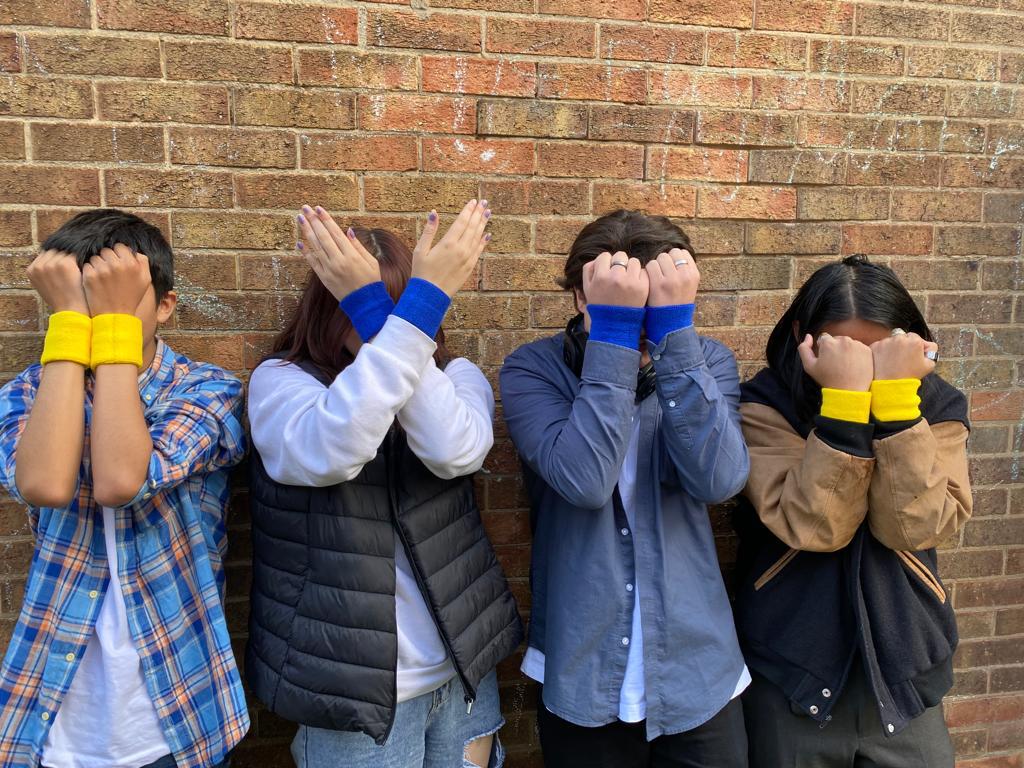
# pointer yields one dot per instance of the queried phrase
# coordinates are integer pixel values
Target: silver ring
(618, 264)
(932, 354)
(680, 261)
(898, 332)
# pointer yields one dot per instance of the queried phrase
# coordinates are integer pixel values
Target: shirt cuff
(368, 308)
(846, 405)
(846, 436)
(661, 321)
(616, 325)
(424, 305)
(895, 399)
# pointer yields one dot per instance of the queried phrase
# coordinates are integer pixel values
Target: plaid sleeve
(16, 398)
(196, 428)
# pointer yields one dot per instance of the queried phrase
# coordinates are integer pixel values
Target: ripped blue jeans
(430, 731)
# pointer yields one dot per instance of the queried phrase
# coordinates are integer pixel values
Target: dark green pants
(782, 737)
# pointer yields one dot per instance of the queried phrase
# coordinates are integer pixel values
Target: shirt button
(813, 710)
(625, 641)
(624, 531)
(93, 594)
(826, 693)
(656, 357)
(890, 727)
(69, 657)
(146, 495)
(45, 716)
(671, 403)
(629, 587)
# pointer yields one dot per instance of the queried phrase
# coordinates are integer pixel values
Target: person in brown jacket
(858, 471)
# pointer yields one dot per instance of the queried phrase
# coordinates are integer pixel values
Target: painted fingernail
(351, 234)
(487, 213)
(483, 203)
(306, 208)
(301, 219)
(487, 237)
(320, 210)
(299, 246)
(432, 217)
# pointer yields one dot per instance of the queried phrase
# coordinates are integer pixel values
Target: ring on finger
(618, 264)
(932, 354)
(898, 332)
(678, 262)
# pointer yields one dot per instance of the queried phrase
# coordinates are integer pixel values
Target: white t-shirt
(632, 697)
(107, 719)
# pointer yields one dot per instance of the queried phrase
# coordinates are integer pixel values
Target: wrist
(895, 399)
(368, 308)
(660, 321)
(615, 324)
(846, 405)
(116, 340)
(424, 305)
(68, 338)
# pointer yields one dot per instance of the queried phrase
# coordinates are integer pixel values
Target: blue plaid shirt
(171, 540)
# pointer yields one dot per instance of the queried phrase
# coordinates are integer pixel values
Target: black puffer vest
(322, 645)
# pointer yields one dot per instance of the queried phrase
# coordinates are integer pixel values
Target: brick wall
(780, 133)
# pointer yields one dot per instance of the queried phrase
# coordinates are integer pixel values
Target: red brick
(987, 28)
(801, 166)
(491, 77)
(902, 21)
(646, 43)
(358, 153)
(846, 132)
(1006, 207)
(822, 16)
(446, 194)
(746, 129)
(983, 172)
(15, 230)
(654, 199)
(662, 125)
(298, 23)
(972, 308)
(49, 185)
(1005, 139)
(904, 98)
(532, 118)
(42, 97)
(797, 92)
(93, 55)
(939, 274)
(53, 13)
(546, 197)
(938, 135)
(199, 17)
(700, 88)
(705, 13)
(696, 163)
(490, 156)
(319, 108)
(161, 102)
(595, 82)
(354, 69)
(746, 203)
(1011, 68)
(427, 114)
(10, 53)
(97, 143)
(290, 190)
(886, 239)
(793, 238)
(997, 406)
(237, 62)
(892, 169)
(979, 240)
(756, 50)
(985, 101)
(936, 206)
(633, 10)
(232, 230)
(743, 273)
(951, 63)
(556, 235)
(577, 159)
(855, 57)
(239, 147)
(168, 189)
(436, 31)
(557, 38)
(522, 273)
(19, 312)
(978, 711)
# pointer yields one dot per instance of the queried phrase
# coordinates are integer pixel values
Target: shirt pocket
(922, 574)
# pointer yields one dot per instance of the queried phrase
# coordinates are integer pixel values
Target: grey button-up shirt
(572, 435)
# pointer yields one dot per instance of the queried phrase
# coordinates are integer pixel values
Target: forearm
(48, 456)
(120, 444)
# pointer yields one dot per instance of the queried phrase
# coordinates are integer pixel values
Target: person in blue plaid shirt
(121, 449)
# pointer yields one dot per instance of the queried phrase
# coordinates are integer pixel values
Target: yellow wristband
(895, 399)
(845, 405)
(68, 338)
(116, 340)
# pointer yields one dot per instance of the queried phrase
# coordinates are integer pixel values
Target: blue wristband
(661, 321)
(368, 308)
(424, 305)
(616, 325)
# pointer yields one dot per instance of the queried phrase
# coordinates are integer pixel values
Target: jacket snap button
(891, 727)
(813, 710)
(826, 693)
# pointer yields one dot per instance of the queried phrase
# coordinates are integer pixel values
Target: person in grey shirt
(628, 426)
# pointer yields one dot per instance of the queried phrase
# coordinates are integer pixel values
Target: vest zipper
(470, 693)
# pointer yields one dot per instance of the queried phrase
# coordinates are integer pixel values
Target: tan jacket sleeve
(920, 491)
(810, 495)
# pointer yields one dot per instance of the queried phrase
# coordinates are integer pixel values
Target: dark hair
(633, 232)
(847, 289)
(89, 232)
(317, 330)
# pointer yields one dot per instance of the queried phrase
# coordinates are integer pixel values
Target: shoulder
(194, 377)
(715, 351)
(22, 387)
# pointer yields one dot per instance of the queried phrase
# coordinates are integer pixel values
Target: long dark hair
(316, 333)
(848, 289)
(633, 232)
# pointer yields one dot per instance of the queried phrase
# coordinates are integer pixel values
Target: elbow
(586, 498)
(724, 482)
(115, 492)
(45, 494)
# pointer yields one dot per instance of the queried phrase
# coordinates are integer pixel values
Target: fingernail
(301, 219)
(487, 213)
(319, 209)
(483, 203)
(299, 246)
(351, 234)
(432, 217)
(306, 208)
(487, 237)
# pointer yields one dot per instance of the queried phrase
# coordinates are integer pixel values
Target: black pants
(719, 743)
(783, 737)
